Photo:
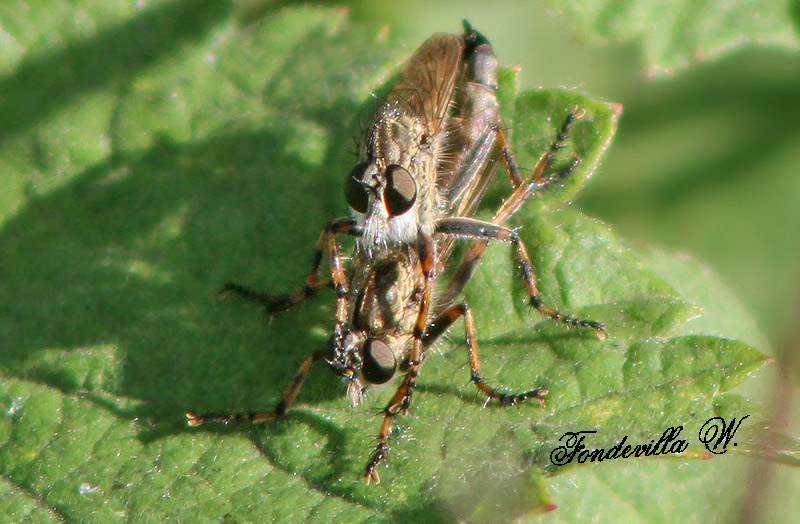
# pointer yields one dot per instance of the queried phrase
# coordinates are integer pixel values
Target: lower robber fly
(411, 197)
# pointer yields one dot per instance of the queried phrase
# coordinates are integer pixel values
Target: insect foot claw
(193, 419)
(371, 475)
(224, 292)
(538, 394)
(599, 329)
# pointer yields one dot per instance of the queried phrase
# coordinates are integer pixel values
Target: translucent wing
(472, 134)
(472, 131)
(424, 87)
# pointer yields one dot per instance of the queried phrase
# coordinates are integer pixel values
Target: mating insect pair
(425, 162)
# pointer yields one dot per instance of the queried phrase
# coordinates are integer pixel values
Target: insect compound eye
(379, 363)
(356, 193)
(401, 190)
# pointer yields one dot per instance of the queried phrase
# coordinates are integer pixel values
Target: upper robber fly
(427, 146)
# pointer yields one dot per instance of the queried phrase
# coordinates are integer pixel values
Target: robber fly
(429, 151)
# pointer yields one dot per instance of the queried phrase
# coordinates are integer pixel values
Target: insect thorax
(386, 292)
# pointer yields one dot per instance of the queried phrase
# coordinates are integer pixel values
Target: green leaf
(538, 117)
(673, 35)
(156, 153)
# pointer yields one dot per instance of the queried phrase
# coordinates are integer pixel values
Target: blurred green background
(705, 160)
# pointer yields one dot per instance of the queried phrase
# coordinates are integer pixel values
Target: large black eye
(356, 193)
(401, 190)
(379, 363)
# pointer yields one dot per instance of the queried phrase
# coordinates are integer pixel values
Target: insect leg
(443, 322)
(288, 397)
(537, 180)
(274, 303)
(279, 303)
(508, 158)
(339, 283)
(480, 230)
(522, 191)
(401, 400)
(339, 278)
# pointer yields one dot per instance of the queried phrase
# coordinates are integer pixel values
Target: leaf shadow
(123, 264)
(42, 86)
